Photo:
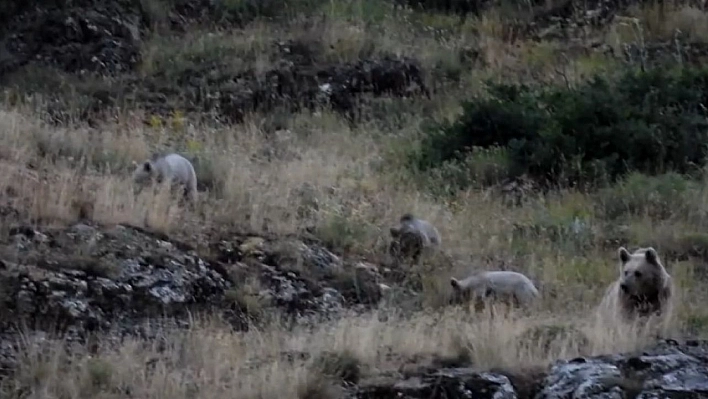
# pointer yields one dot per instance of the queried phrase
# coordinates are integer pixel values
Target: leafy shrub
(659, 197)
(342, 233)
(480, 168)
(651, 122)
(341, 366)
(687, 244)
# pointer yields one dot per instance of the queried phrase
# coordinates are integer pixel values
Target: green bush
(658, 197)
(651, 122)
(481, 167)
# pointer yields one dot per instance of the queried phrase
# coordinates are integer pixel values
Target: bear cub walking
(412, 236)
(172, 167)
(506, 286)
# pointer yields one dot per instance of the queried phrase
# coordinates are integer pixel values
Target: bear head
(406, 218)
(642, 274)
(143, 171)
(471, 290)
(461, 291)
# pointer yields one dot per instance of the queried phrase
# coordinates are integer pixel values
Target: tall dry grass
(352, 203)
(257, 179)
(211, 362)
(53, 183)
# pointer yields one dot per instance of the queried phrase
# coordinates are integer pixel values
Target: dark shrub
(650, 122)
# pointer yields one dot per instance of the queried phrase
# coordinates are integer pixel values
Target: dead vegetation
(300, 171)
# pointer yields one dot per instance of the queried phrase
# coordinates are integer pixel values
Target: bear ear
(651, 256)
(147, 166)
(624, 255)
(454, 283)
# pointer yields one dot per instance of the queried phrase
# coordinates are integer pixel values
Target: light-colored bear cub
(505, 286)
(412, 236)
(643, 288)
(172, 167)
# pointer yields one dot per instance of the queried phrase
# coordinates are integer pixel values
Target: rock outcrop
(89, 278)
(92, 38)
(667, 370)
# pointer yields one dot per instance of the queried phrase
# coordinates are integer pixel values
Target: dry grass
(339, 164)
(208, 361)
(676, 21)
(676, 24)
(56, 175)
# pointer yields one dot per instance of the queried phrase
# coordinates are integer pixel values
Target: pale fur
(171, 167)
(505, 285)
(645, 277)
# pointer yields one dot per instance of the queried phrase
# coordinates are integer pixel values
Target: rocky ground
(86, 280)
(106, 43)
(90, 278)
(669, 370)
(103, 47)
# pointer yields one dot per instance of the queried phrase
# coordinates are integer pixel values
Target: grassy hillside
(239, 89)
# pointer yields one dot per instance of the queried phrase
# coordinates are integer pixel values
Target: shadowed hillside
(538, 137)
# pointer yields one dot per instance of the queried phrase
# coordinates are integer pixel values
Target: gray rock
(92, 277)
(581, 378)
(668, 370)
(444, 383)
(144, 275)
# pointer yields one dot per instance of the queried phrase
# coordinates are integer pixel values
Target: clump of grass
(214, 361)
(248, 297)
(657, 197)
(343, 366)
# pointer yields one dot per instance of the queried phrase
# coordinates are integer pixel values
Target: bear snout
(624, 288)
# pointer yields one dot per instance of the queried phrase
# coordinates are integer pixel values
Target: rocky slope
(98, 47)
(89, 279)
(85, 279)
(668, 370)
(101, 42)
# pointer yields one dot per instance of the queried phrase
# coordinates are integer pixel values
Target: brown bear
(507, 287)
(644, 287)
(412, 236)
(172, 168)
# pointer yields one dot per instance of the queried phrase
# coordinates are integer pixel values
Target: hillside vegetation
(538, 137)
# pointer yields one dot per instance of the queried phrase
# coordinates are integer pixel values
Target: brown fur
(411, 237)
(644, 287)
